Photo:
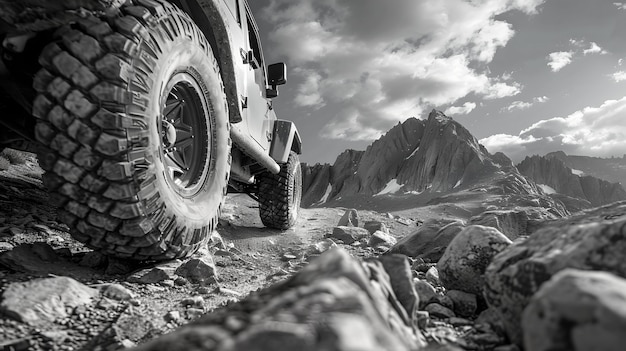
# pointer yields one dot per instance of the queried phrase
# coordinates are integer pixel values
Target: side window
(255, 46)
(233, 6)
(254, 43)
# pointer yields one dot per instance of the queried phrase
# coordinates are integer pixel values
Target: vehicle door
(256, 111)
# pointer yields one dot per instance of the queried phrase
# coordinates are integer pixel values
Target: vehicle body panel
(233, 34)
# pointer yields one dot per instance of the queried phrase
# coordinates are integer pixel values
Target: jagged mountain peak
(438, 116)
(436, 154)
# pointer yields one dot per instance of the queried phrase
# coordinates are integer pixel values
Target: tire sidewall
(185, 55)
(295, 184)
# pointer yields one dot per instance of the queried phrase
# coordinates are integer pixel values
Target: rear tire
(280, 195)
(133, 117)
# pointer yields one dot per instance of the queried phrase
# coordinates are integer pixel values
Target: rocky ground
(130, 303)
(450, 276)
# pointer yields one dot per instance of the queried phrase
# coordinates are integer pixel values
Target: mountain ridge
(417, 157)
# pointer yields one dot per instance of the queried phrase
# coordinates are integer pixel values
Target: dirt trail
(251, 257)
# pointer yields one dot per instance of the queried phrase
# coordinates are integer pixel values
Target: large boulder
(348, 235)
(464, 262)
(44, 300)
(592, 240)
(514, 222)
(577, 311)
(357, 302)
(430, 239)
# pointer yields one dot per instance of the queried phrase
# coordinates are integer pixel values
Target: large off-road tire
(133, 117)
(280, 194)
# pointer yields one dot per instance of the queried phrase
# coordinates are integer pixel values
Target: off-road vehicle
(144, 113)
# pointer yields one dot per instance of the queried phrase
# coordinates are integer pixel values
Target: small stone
(180, 281)
(196, 301)
(349, 234)
(321, 246)
(116, 292)
(172, 316)
(465, 304)
(194, 313)
(438, 311)
(381, 238)
(228, 291)
(199, 270)
(432, 276)
(288, 257)
(155, 274)
(106, 304)
(349, 219)
(420, 266)
(375, 226)
(426, 292)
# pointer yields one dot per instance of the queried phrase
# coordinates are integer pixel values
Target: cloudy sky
(524, 76)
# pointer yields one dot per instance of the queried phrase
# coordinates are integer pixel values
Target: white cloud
(560, 59)
(500, 89)
(379, 61)
(619, 76)
(308, 92)
(594, 49)
(620, 5)
(519, 105)
(592, 131)
(523, 105)
(461, 110)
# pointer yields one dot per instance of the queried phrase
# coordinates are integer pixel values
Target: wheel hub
(185, 135)
(168, 134)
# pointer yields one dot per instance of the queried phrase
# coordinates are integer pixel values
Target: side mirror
(277, 74)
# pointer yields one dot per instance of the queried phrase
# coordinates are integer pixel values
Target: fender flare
(285, 138)
(208, 17)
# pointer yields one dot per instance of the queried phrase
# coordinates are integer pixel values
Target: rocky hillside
(415, 157)
(610, 169)
(552, 174)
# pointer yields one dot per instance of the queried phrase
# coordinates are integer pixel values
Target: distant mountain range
(418, 157)
(610, 169)
(430, 159)
(554, 177)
